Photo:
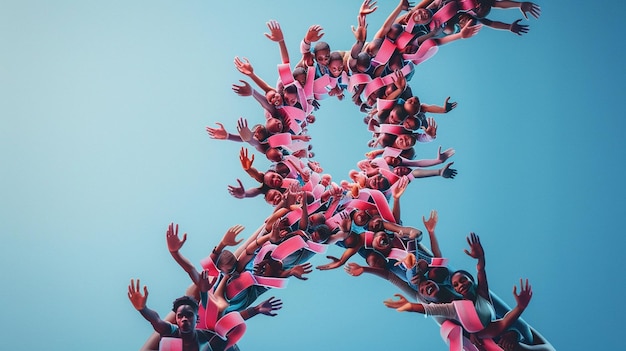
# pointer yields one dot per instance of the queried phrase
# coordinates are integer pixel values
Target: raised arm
(403, 5)
(174, 244)
(445, 108)
(246, 164)
(525, 7)
(499, 326)
(139, 302)
(229, 239)
(220, 133)
(441, 158)
(430, 225)
(276, 34)
(244, 66)
(476, 251)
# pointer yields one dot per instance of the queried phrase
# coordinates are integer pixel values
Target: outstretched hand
(443, 156)
(134, 295)
(449, 106)
(353, 269)
(448, 172)
(300, 270)
(230, 237)
(270, 305)
(529, 7)
(244, 66)
(246, 162)
(314, 33)
(525, 294)
(205, 283)
(217, 133)
(328, 266)
(398, 304)
(517, 28)
(238, 192)
(476, 248)
(242, 90)
(431, 223)
(276, 34)
(171, 236)
(244, 131)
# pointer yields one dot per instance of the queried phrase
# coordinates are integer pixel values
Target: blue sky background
(102, 113)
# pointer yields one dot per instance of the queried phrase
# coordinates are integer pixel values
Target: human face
(376, 224)
(421, 16)
(290, 98)
(186, 319)
(317, 219)
(360, 218)
(274, 125)
(273, 180)
(381, 242)
(322, 57)
(404, 141)
(392, 161)
(273, 197)
(300, 78)
(412, 105)
(401, 171)
(428, 288)
(395, 116)
(462, 284)
(335, 67)
(411, 123)
(274, 98)
(378, 182)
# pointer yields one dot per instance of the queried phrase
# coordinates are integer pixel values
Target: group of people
(361, 214)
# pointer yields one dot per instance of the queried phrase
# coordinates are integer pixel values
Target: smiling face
(273, 197)
(462, 284)
(274, 98)
(404, 141)
(378, 182)
(421, 16)
(360, 217)
(429, 289)
(274, 125)
(272, 180)
(381, 242)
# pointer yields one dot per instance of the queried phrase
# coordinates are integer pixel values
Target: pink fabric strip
(171, 344)
(208, 265)
(288, 181)
(360, 205)
(381, 163)
(383, 104)
(308, 85)
(391, 151)
(452, 333)
(271, 282)
(368, 239)
(426, 50)
(443, 15)
(358, 79)
(294, 216)
(209, 316)
(468, 316)
(314, 206)
(260, 256)
(231, 327)
(404, 39)
(382, 205)
(316, 247)
(391, 177)
(385, 52)
(279, 139)
(373, 86)
(284, 72)
(409, 25)
(397, 254)
(392, 129)
(288, 247)
(438, 262)
(236, 286)
(321, 84)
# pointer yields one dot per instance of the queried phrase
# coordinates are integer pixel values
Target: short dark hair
(185, 301)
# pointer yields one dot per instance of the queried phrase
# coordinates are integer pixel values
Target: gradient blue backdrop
(103, 106)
